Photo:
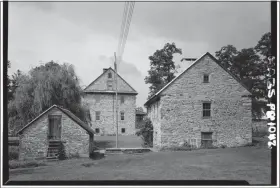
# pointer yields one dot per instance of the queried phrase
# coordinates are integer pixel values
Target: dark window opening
(97, 115)
(206, 139)
(109, 75)
(123, 130)
(97, 130)
(207, 109)
(122, 115)
(206, 78)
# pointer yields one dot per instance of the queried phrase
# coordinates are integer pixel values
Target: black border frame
(5, 175)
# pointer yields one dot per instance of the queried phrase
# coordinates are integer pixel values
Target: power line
(127, 28)
(127, 15)
(123, 25)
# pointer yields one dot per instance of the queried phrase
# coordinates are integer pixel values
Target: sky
(86, 34)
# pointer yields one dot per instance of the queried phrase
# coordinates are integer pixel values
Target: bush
(62, 152)
(146, 133)
(223, 146)
(25, 164)
(96, 155)
(13, 153)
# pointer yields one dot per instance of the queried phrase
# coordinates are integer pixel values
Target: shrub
(62, 152)
(146, 133)
(13, 152)
(25, 164)
(223, 146)
(96, 155)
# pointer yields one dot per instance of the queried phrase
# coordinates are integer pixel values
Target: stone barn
(42, 137)
(100, 96)
(204, 106)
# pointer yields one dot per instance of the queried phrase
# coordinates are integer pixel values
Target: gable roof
(67, 112)
(85, 90)
(195, 62)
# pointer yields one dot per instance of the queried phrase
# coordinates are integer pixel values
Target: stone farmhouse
(42, 137)
(204, 106)
(100, 96)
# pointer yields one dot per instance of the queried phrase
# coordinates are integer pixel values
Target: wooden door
(206, 140)
(54, 127)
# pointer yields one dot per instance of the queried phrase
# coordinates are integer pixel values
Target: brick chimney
(105, 69)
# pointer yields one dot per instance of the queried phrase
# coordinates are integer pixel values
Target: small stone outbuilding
(204, 106)
(42, 136)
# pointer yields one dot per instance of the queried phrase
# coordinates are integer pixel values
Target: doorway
(206, 140)
(54, 127)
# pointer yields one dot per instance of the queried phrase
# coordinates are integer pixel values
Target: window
(122, 115)
(109, 75)
(206, 139)
(206, 78)
(97, 130)
(123, 130)
(139, 118)
(110, 85)
(206, 109)
(122, 99)
(97, 115)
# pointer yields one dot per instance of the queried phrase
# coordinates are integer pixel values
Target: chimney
(104, 70)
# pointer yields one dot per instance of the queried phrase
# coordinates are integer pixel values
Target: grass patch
(25, 164)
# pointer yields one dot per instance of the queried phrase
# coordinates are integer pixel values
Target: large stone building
(204, 106)
(100, 96)
(42, 137)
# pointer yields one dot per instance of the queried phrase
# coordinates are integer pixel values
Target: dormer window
(205, 78)
(109, 75)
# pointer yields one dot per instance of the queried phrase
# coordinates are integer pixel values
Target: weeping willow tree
(41, 88)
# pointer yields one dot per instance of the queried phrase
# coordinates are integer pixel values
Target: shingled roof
(65, 111)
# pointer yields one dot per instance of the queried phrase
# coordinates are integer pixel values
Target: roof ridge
(211, 56)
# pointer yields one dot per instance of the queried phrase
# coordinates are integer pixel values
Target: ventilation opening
(97, 130)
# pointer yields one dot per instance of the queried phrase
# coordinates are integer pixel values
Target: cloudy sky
(86, 34)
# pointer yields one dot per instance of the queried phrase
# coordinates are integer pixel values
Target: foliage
(264, 45)
(25, 164)
(12, 83)
(43, 87)
(140, 109)
(62, 152)
(249, 65)
(146, 133)
(162, 67)
(13, 152)
(96, 155)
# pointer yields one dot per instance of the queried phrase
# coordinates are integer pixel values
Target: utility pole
(117, 113)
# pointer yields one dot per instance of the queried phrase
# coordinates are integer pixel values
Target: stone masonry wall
(105, 104)
(155, 116)
(181, 108)
(101, 83)
(34, 142)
